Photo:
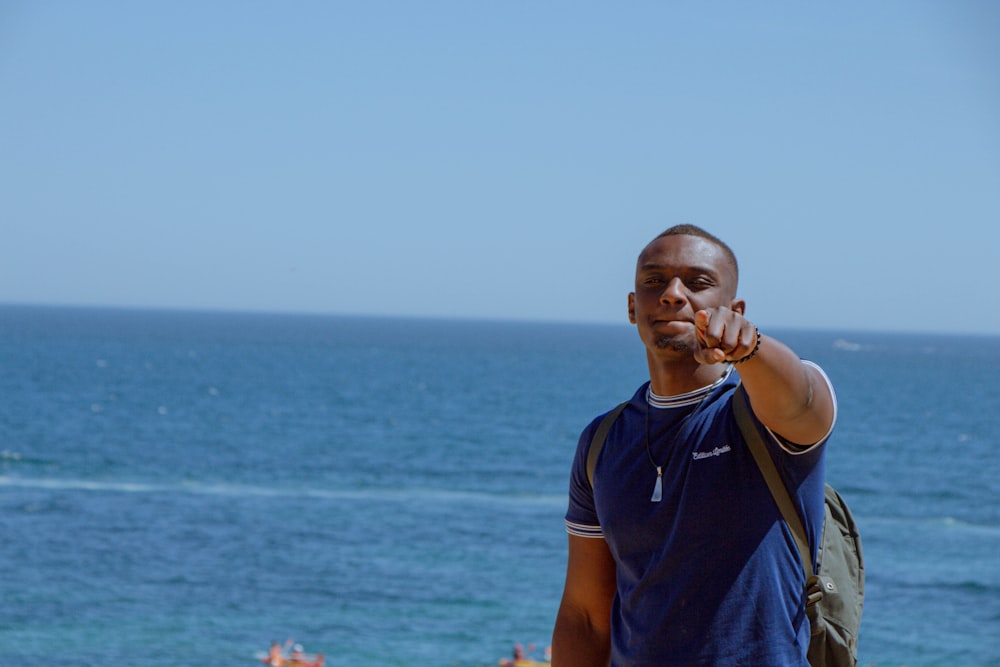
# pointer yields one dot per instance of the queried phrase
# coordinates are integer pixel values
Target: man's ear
(631, 307)
(739, 306)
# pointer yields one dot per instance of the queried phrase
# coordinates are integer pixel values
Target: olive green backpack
(836, 591)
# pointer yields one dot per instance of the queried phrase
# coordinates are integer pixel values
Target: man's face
(675, 277)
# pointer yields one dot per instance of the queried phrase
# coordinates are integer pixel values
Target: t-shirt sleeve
(581, 517)
(791, 448)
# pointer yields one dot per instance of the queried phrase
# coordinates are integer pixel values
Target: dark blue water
(182, 488)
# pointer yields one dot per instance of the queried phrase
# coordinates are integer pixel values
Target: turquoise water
(182, 488)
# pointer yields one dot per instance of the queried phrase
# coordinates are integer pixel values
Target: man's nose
(673, 294)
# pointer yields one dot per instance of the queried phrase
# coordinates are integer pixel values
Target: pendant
(658, 489)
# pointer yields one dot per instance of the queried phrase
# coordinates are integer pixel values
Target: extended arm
(789, 397)
(582, 635)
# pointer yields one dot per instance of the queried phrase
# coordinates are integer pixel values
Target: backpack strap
(597, 442)
(741, 410)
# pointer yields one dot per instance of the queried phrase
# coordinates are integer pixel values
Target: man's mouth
(668, 321)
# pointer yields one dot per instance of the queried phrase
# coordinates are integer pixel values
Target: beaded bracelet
(753, 351)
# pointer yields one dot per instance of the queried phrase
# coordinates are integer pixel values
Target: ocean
(183, 488)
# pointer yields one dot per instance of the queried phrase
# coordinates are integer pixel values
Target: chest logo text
(718, 451)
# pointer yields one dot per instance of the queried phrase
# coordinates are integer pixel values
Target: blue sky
(502, 159)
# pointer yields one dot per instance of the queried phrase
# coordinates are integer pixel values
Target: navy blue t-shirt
(709, 575)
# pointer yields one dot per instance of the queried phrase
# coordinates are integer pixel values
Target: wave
(965, 586)
(8, 457)
(944, 524)
(393, 495)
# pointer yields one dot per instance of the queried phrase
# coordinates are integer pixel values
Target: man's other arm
(582, 635)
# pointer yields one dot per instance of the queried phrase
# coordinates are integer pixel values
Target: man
(678, 555)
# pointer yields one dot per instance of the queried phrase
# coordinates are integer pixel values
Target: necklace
(658, 487)
(673, 401)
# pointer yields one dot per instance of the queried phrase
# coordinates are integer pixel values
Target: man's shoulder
(635, 402)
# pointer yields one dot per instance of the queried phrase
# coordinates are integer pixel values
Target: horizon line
(511, 319)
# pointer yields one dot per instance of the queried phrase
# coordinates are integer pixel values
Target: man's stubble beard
(673, 343)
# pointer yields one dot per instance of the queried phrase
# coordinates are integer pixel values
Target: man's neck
(679, 377)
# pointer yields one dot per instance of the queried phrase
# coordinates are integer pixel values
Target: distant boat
(521, 659)
(296, 659)
(846, 345)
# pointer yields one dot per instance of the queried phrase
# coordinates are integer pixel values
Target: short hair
(695, 230)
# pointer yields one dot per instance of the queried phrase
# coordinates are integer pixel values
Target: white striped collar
(685, 399)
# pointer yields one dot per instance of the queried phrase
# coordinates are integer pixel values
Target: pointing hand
(724, 336)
